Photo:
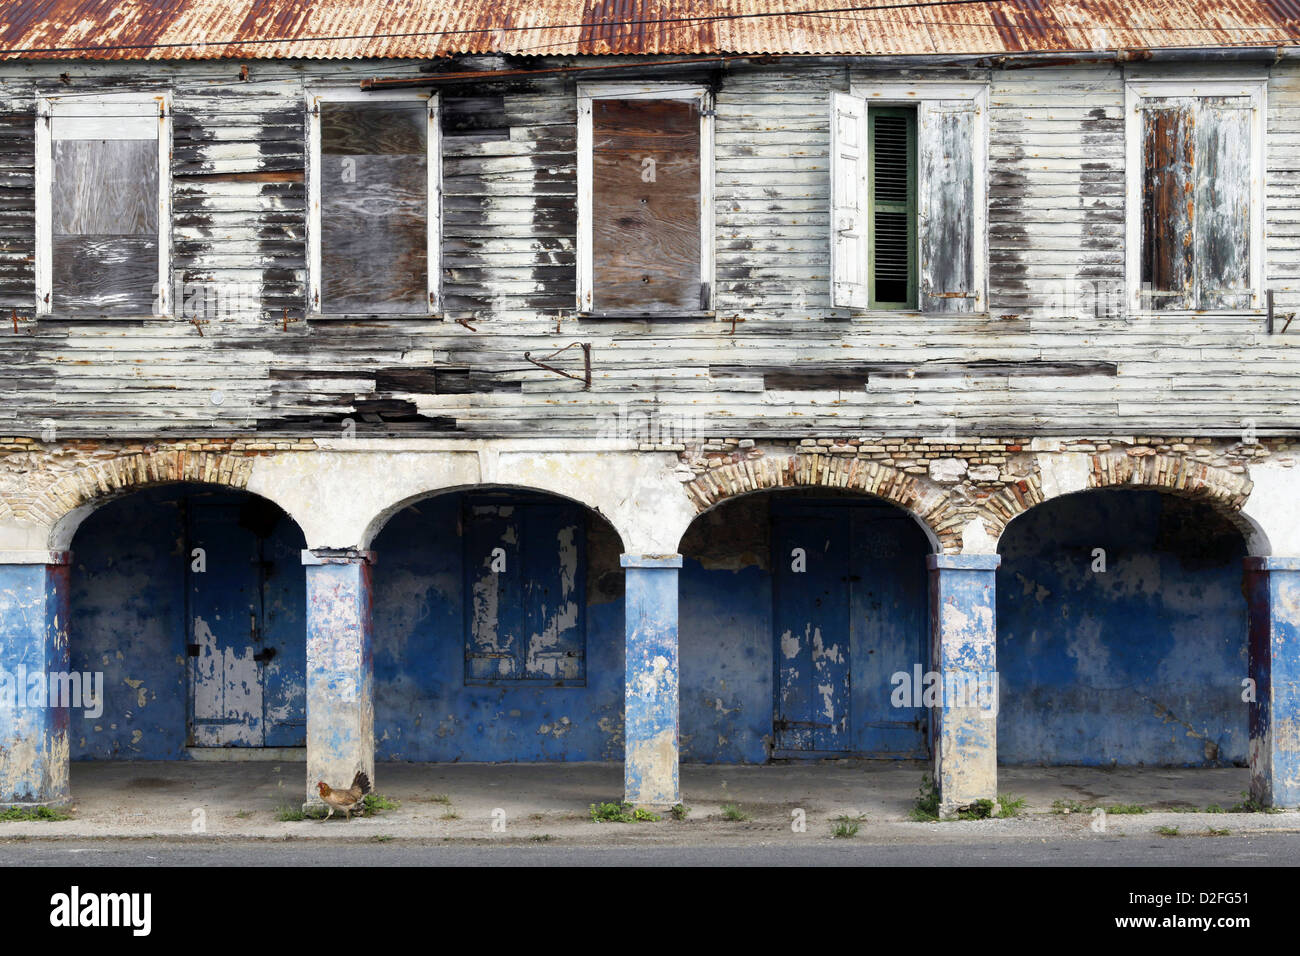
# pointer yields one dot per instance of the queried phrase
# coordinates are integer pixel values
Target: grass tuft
(24, 814)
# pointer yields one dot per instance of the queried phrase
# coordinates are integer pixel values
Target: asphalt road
(1280, 849)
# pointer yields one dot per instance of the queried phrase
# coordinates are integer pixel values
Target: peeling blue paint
(130, 615)
(963, 645)
(1272, 587)
(33, 644)
(650, 767)
(425, 710)
(1139, 664)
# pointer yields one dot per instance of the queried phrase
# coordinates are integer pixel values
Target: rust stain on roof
(342, 29)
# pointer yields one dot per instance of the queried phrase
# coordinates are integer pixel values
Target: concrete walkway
(243, 800)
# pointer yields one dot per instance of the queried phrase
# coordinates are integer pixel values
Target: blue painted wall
(1141, 664)
(726, 630)
(128, 619)
(423, 709)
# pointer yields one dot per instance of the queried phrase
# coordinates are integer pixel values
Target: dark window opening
(892, 269)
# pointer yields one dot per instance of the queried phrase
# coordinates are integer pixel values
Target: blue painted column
(33, 648)
(340, 669)
(963, 654)
(650, 775)
(1272, 587)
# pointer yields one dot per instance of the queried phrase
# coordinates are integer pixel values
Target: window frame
(914, 94)
(874, 302)
(525, 541)
(1137, 89)
(48, 108)
(587, 92)
(433, 164)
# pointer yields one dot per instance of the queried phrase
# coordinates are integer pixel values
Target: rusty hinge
(586, 361)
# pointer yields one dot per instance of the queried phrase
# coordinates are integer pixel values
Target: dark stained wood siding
(17, 205)
(1039, 362)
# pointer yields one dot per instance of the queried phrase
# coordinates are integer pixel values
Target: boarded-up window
(646, 206)
(525, 601)
(105, 193)
(907, 203)
(374, 207)
(1196, 203)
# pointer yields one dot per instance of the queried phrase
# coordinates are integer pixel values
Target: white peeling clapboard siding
(1056, 218)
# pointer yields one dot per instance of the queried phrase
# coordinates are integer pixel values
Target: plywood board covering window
(643, 213)
(1195, 196)
(102, 206)
(374, 205)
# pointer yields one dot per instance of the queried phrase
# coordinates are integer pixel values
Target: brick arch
(63, 504)
(1225, 491)
(931, 508)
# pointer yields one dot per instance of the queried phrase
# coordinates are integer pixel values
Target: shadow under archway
(188, 599)
(498, 630)
(797, 610)
(1122, 633)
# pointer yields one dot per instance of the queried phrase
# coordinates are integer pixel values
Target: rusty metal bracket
(586, 361)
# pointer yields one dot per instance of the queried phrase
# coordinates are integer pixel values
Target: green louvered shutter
(892, 256)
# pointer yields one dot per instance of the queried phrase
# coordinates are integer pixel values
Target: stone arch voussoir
(1225, 491)
(113, 477)
(846, 473)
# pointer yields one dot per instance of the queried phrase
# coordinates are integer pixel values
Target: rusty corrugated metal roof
(334, 29)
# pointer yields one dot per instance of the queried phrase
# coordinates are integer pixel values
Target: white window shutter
(848, 201)
(947, 195)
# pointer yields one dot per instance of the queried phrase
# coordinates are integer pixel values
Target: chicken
(345, 800)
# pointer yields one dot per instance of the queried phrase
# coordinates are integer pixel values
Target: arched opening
(1122, 633)
(798, 611)
(188, 601)
(498, 630)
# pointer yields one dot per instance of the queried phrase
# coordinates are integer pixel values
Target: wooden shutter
(849, 223)
(891, 261)
(1168, 203)
(947, 194)
(1223, 169)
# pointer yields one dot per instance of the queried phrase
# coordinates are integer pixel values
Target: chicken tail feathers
(361, 782)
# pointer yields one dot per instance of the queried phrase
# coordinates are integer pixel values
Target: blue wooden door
(224, 617)
(811, 613)
(890, 621)
(525, 571)
(247, 648)
(849, 613)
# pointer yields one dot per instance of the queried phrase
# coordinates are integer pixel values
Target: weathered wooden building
(650, 381)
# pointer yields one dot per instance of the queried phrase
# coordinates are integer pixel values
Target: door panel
(225, 630)
(889, 632)
(811, 614)
(854, 617)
